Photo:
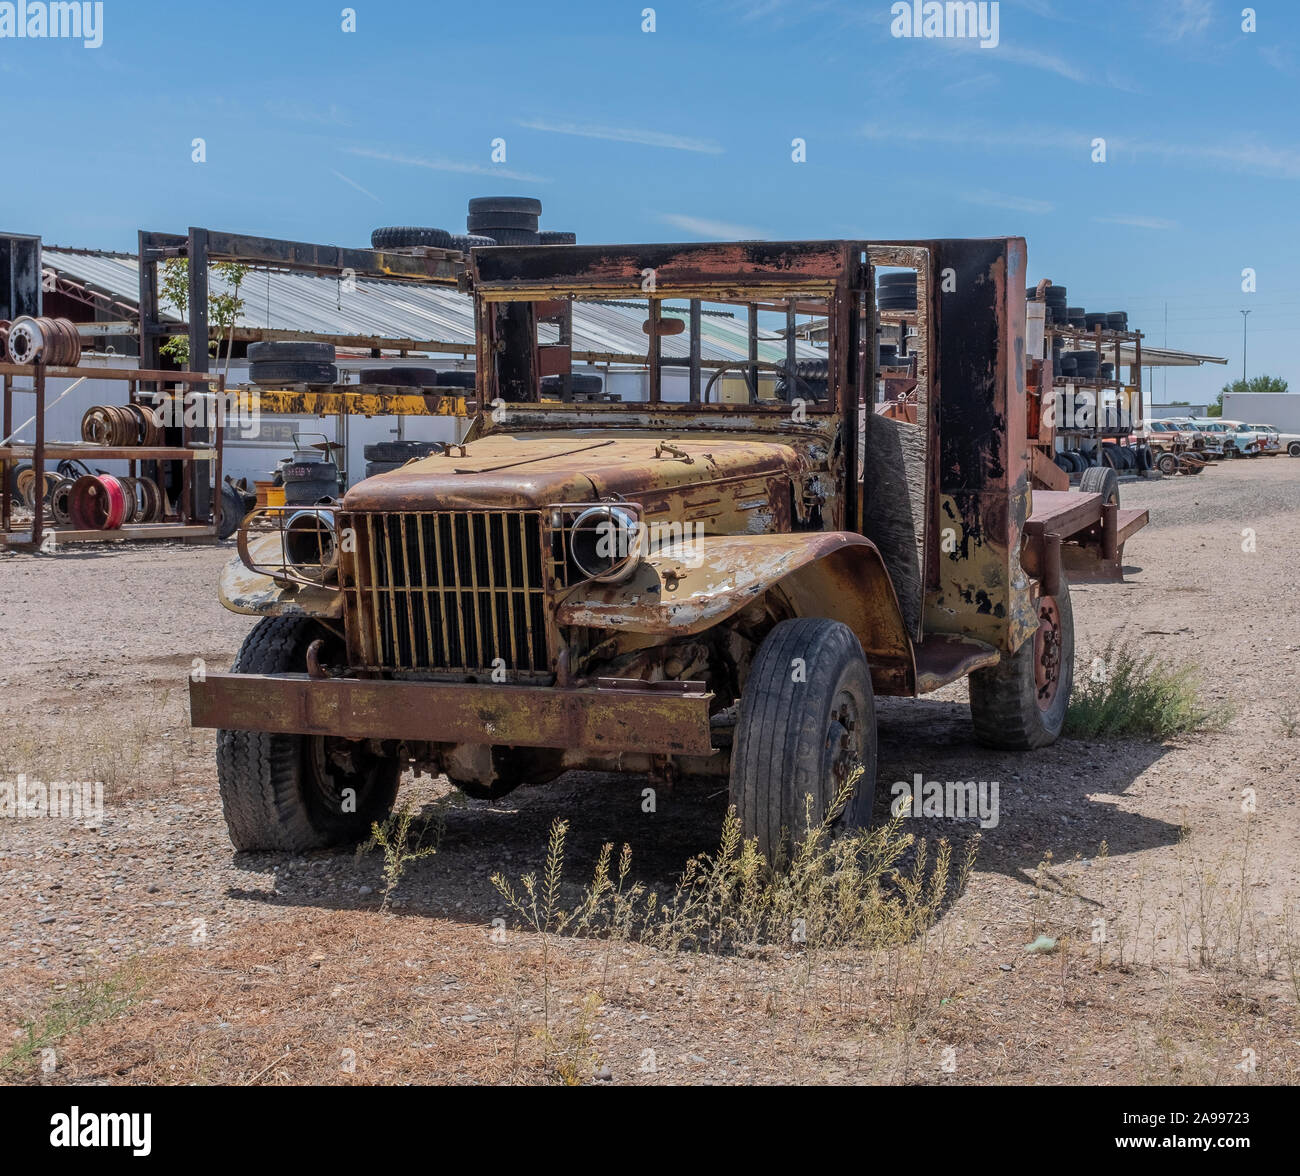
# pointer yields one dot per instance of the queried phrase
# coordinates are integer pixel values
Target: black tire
(557, 238)
(1103, 481)
(907, 280)
(401, 451)
(456, 379)
(400, 377)
(1146, 459)
(580, 382)
(268, 374)
(1167, 464)
(896, 302)
(484, 204)
(290, 351)
(232, 512)
(467, 241)
(1293, 449)
(513, 236)
(285, 792)
(485, 222)
(515, 767)
(1063, 462)
(375, 468)
(1004, 699)
(410, 237)
(786, 737)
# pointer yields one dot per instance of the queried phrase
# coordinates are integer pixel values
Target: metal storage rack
(185, 525)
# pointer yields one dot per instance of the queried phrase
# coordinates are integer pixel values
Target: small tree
(1254, 384)
(223, 309)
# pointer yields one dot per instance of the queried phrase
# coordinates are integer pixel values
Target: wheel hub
(1047, 652)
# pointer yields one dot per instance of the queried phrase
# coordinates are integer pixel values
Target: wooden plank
(72, 450)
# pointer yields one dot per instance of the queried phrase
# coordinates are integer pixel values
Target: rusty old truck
(712, 573)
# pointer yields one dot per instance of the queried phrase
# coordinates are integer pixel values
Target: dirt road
(1179, 941)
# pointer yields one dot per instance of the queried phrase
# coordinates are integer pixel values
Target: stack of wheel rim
(896, 291)
(120, 425)
(507, 220)
(50, 341)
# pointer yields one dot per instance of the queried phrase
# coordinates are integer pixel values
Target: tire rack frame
(188, 525)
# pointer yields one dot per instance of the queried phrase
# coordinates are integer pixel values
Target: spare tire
(467, 241)
(272, 373)
(398, 451)
(290, 351)
(410, 237)
(1103, 481)
(481, 204)
(553, 238)
(485, 222)
(513, 236)
(581, 382)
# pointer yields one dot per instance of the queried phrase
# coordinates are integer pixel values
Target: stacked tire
(385, 456)
(896, 291)
(278, 364)
(507, 220)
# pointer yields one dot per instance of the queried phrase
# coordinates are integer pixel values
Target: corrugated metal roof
(286, 301)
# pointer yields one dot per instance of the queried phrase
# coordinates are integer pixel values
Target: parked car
(1239, 440)
(1270, 439)
(1211, 443)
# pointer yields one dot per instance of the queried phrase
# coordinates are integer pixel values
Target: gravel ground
(238, 958)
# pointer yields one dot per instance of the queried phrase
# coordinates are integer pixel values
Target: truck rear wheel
(807, 720)
(1021, 702)
(297, 792)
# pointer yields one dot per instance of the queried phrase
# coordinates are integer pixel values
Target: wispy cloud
(1014, 203)
(1136, 222)
(1037, 59)
(331, 115)
(449, 165)
(1248, 156)
(353, 184)
(625, 135)
(712, 230)
(1177, 20)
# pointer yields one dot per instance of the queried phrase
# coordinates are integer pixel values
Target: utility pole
(1244, 313)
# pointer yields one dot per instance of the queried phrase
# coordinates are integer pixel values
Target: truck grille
(452, 590)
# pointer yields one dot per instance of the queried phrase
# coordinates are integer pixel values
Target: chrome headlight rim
(627, 520)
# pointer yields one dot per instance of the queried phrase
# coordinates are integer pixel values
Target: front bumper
(616, 715)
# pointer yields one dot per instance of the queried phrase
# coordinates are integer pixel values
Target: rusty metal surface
(686, 590)
(242, 590)
(600, 720)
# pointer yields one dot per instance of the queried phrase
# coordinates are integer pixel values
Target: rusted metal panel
(738, 270)
(601, 720)
(690, 589)
(983, 449)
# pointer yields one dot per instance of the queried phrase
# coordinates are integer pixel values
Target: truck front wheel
(1021, 702)
(297, 792)
(807, 722)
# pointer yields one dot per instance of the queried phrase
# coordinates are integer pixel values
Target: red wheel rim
(1047, 652)
(97, 503)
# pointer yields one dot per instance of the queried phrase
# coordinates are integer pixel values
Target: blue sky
(685, 134)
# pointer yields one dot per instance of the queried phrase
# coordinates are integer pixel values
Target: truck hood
(522, 471)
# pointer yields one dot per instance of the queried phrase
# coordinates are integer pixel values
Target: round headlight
(603, 542)
(310, 545)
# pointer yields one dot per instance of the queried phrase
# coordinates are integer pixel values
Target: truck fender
(692, 587)
(244, 591)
